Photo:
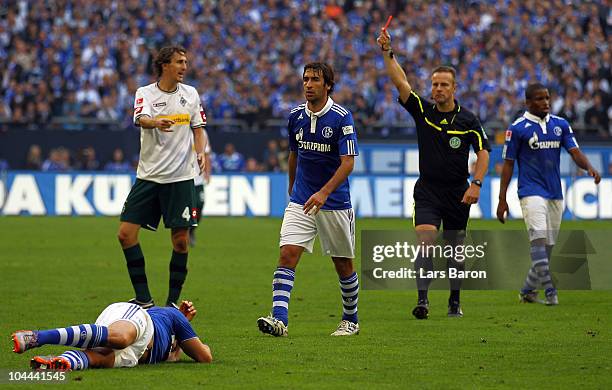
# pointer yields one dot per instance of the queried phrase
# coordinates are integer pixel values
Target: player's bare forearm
(292, 169)
(318, 199)
(199, 140)
(583, 162)
(394, 70)
(197, 350)
(482, 164)
(342, 173)
(163, 124)
(506, 175)
(208, 167)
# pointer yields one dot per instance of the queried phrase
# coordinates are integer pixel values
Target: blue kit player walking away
(124, 335)
(323, 144)
(534, 140)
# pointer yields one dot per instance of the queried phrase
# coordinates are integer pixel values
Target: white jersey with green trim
(167, 157)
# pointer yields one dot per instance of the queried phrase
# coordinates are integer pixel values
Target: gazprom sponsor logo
(315, 146)
(535, 144)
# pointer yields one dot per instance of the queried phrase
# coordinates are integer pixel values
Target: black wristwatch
(477, 182)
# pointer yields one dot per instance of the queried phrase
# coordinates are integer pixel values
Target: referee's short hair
(326, 70)
(165, 55)
(447, 69)
(532, 89)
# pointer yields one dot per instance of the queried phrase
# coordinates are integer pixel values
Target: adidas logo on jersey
(444, 122)
(301, 116)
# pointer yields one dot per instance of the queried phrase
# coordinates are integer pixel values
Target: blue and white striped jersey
(320, 139)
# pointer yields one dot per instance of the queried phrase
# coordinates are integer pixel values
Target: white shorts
(134, 314)
(336, 229)
(542, 217)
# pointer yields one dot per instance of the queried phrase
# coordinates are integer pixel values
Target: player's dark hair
(165, 56)
(326, 70)
(532, 89)
(447, 69)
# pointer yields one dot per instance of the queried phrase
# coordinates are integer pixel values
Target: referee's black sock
(178, 274)
(422, 266)
(455, 284)
(454, 296)
(136, 268)
(423, 295)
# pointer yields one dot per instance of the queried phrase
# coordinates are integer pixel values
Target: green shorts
(148, 201)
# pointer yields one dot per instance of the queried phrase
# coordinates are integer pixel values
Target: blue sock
(531, 281)
(78, 360)
(350, 295)
(539, 261)
(82, 336)
(281, 293)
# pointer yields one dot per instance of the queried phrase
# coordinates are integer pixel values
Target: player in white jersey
(200, 181)
(534, 140)
(171, 120)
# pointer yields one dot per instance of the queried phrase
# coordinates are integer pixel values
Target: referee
(442, 195)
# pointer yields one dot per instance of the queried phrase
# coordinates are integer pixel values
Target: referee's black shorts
(440, 205)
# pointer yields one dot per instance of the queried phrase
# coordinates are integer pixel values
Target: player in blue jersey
(534, 140)
(323, 144)
(124, 335)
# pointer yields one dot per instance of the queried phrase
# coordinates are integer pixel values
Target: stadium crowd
(82, 59)
(62, 159)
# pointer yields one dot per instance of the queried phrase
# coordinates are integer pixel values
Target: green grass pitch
(64, 271)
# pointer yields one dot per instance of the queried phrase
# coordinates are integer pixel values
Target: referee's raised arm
(394, 70)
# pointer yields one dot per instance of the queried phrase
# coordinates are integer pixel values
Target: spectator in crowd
(283, 154)
(271, 164)
(86, 160)
(118, 162)
(252, 165)
(58, 161)
(596, 117)
(231, 160)
(272, 149)
(34, 158)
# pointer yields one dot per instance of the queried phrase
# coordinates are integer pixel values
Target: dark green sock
(178, 273)
(136, 269)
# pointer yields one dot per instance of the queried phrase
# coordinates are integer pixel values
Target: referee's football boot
(421, 310)
(144, 305)
(552, 298)
(529, 297)
(24, 340)
(454, 309)
(273, 326)
(346, 328)
(58, 363)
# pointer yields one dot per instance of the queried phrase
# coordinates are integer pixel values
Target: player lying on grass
(124, 335)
